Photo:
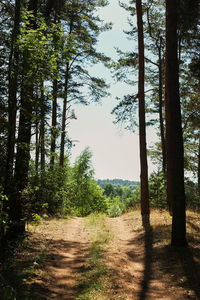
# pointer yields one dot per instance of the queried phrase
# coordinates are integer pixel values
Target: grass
(94, 280)
(19, 264)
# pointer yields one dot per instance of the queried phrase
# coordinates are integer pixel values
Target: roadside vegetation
(95, 278)
(73, 191)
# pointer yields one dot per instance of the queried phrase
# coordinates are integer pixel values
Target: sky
(115, 151)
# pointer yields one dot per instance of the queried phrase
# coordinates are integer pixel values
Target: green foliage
(109, 190)
(120, 196)
(36, 219)
(88, 196)
(192, 195)
(117, 183)
(115, 207)
(3, 216)
(38, 40)
(134, 200)
(50, 192)
(70, 190)
(157, 190)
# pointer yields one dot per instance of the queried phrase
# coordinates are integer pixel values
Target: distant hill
(117, 183)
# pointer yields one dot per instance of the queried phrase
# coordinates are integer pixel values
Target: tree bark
(162, 129)
(42, 130)
(174, 139)
(142, 123)
(63, 134)
(37, 142)
(12, 98)
(16, 216)
(199, 168)
(54, 123)
(55, 92)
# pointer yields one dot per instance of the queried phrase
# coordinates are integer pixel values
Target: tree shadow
(181, 263)
(148, 246)
(20, 275)
(191, 270)
(178, 268)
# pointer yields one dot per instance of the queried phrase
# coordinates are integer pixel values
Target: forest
(117, 183)
(46, 48)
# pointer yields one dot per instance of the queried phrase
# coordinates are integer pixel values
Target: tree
(155, 30)
(83, 173)
(54, 129)
(174, 140)
(82, 28)
(142, 123)
(17, 223)
(13, 70)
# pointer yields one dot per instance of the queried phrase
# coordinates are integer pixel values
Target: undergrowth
(19, 264)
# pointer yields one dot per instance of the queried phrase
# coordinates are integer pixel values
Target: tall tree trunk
(54, 123)
(142, 123)
(162, 129)
(199, 168)
(12, 98)
(42, 129)
(37, 143)
(158, 42)
(174, 138)
(16, 216)
(63, 134)
(55, 91)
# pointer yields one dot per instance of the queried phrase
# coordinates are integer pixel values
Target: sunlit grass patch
(95, 278)
(161, 224)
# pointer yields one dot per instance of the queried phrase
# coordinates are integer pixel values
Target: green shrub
(115, 207)
(157, 190)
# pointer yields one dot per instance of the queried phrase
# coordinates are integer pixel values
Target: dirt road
(141, 267)
(67, 245)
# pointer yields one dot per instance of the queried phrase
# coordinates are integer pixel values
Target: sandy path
(134, 262)
(67, 251)
(131, 257)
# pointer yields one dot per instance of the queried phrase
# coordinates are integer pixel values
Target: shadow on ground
(179, 266)
(20, 276)
(167, 271)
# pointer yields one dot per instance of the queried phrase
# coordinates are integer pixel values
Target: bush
(157, 190)
(65, 191)
(192, 195)
(115, 207)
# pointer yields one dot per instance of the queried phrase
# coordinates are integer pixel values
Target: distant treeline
(117, 183)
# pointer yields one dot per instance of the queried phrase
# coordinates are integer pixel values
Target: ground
(141, 265)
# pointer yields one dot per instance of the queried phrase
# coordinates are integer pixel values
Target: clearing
(136, 264)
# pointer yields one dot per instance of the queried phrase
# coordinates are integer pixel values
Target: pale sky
(115, 152)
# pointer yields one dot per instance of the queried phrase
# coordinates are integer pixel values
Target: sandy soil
(67, 250)
(133, 261)
(140, 269)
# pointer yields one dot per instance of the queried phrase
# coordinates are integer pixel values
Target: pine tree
(174, 140)
(142, 123)
(13, 71)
